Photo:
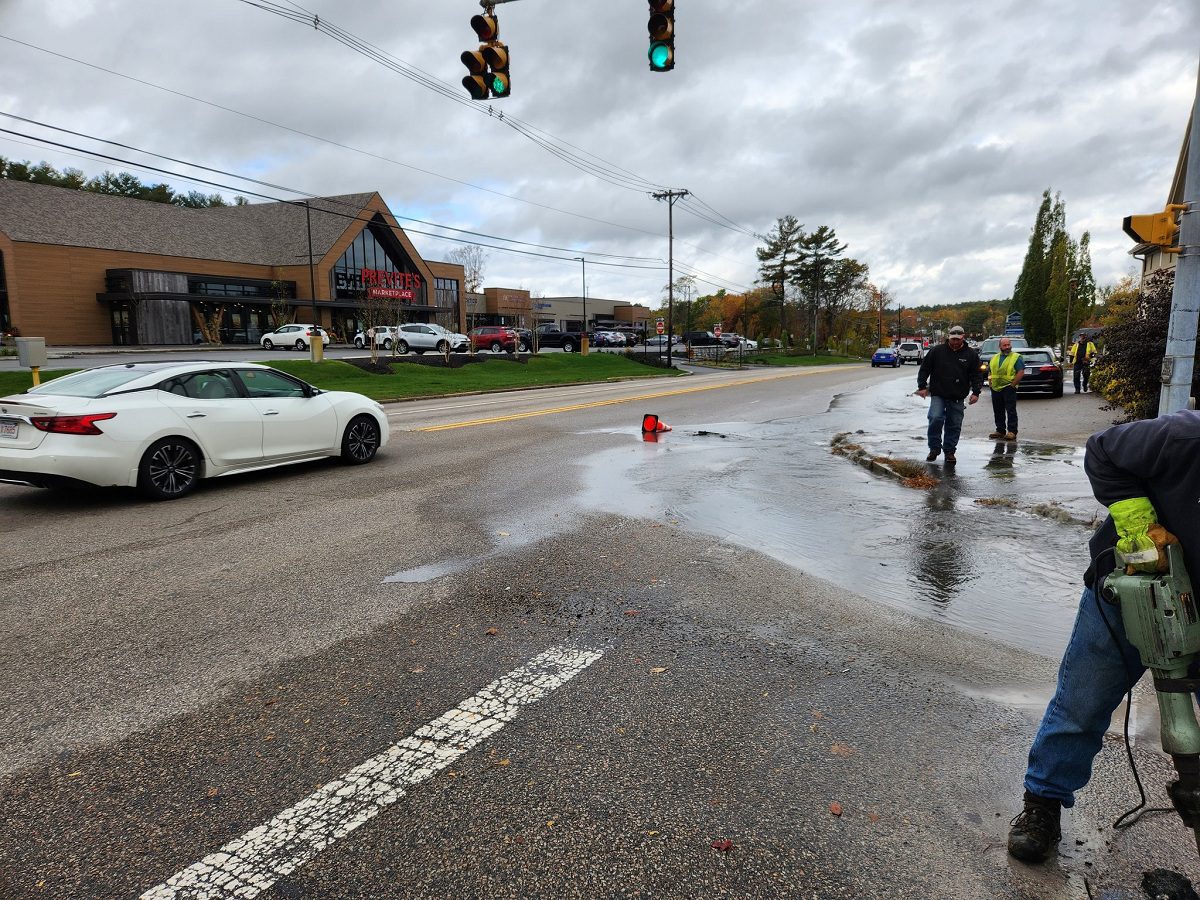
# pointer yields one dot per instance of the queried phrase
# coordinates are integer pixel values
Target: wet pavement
(997, 548)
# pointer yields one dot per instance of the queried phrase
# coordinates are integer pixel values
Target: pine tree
(816, 274)
(778, 261)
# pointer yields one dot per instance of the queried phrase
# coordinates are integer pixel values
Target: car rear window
(885, 350)
(91, 383)
(908, 346)
(1037, 357)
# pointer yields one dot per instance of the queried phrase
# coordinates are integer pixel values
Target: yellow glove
(1140, 539)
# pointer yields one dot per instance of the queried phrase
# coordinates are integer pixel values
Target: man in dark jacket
(1148, 475)
(948, 373)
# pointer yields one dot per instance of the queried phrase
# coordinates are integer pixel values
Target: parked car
(163, 426)
(292, 336)
(910, 351)
(524, 340)
(886, 356)
(656, 341)
(991, 347)
(701, 339)
(422, 336)
(1043, 373)
(549, 335)
(383, 337)
(497, 338)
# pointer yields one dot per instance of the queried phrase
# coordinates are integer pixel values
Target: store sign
(381, 284)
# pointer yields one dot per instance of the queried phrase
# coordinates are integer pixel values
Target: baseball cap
(957, 329)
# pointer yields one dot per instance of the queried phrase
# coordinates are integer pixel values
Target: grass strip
(413, 380)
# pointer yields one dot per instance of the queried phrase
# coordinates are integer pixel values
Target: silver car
(421, 337)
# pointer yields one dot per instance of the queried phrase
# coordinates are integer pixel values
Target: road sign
(717, 329)
(659, 326)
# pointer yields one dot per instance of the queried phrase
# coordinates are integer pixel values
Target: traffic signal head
(1160, 229)
(662, 35)
(496, 56)
(477, 81)
(487, 27)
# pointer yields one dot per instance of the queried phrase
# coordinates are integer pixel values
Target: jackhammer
(1163, 622)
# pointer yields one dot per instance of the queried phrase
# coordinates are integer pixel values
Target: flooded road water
(997, 567)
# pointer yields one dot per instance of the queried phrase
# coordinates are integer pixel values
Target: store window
(446, 292)
(375, 266)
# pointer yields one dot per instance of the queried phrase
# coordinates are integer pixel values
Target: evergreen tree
(1030, 291)
(816, 275)
(778, 261)
(1083, 306)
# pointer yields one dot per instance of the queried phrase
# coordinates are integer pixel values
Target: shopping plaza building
(80, 268)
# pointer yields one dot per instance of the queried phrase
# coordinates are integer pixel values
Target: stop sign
(659, 326)
(717, 329)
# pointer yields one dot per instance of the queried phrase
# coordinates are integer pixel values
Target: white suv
(911, 350)
(289, 336)
(421, 337)
(383, 337)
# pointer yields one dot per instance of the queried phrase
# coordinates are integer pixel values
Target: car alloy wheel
(402, 347)
(387, 344)
(568, 346)
(496, 348)
(169, 469)
(360, 441)
(300, 345)
(267, 343)
(358, 342)
(443, 347)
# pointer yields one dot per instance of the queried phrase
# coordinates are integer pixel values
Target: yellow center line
(596, 403)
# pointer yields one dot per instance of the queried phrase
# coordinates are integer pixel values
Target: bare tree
(472, 258)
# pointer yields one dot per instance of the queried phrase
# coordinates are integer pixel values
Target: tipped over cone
(652, 424)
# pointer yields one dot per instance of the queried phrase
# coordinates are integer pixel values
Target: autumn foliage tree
(1135, 340)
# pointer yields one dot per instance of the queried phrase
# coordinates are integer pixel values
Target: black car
(1043, 374)
(701, 339)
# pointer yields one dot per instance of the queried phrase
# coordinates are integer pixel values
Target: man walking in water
(948, 373)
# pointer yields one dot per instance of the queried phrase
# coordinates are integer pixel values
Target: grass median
(788, 359)
(413, 380)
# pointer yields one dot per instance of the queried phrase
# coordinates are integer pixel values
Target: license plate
(8, 430)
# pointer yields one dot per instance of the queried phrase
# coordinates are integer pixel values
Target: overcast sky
(922, 131)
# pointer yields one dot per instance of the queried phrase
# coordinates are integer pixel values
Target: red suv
(497, 338)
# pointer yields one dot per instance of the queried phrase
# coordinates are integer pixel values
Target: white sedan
(163, 426)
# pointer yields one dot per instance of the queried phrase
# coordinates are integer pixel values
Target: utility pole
(1180, 360)
(670, 197)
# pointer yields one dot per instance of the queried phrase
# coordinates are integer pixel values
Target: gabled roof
(270, 234)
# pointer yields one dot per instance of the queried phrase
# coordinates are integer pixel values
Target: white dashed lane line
(250, 864)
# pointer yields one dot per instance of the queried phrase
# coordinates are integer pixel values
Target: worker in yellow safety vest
(1005, 371)
(1082, 353)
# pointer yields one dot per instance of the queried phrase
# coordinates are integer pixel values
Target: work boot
(933, 454)
(997, 435)
(1036, 831)
(951, 459)
(1010, 435)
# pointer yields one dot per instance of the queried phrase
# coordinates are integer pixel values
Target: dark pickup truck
(550, 336)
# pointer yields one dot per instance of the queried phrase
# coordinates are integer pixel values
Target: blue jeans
(948, 413)
(1004, 401)
(1091, 683)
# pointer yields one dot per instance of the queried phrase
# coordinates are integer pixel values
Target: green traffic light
(660, 56)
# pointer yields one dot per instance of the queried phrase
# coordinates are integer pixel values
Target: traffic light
(496, 56)
(1160, 229)
(662, 35)
(479, 82)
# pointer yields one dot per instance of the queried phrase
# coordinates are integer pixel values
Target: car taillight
(71, 424)
(1048, 369)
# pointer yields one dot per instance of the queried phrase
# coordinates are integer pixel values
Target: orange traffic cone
(652, 424)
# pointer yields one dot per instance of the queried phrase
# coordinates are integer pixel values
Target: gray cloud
(924, 132)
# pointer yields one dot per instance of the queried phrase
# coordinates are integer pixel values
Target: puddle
(998, 570)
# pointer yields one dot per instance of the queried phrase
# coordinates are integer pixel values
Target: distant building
(83, 268)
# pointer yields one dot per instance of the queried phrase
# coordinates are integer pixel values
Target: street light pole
(316, 343)
(1067, 325)
(670, 197)
(583, 340)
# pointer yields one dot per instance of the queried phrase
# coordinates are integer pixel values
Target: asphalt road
(580, 704)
